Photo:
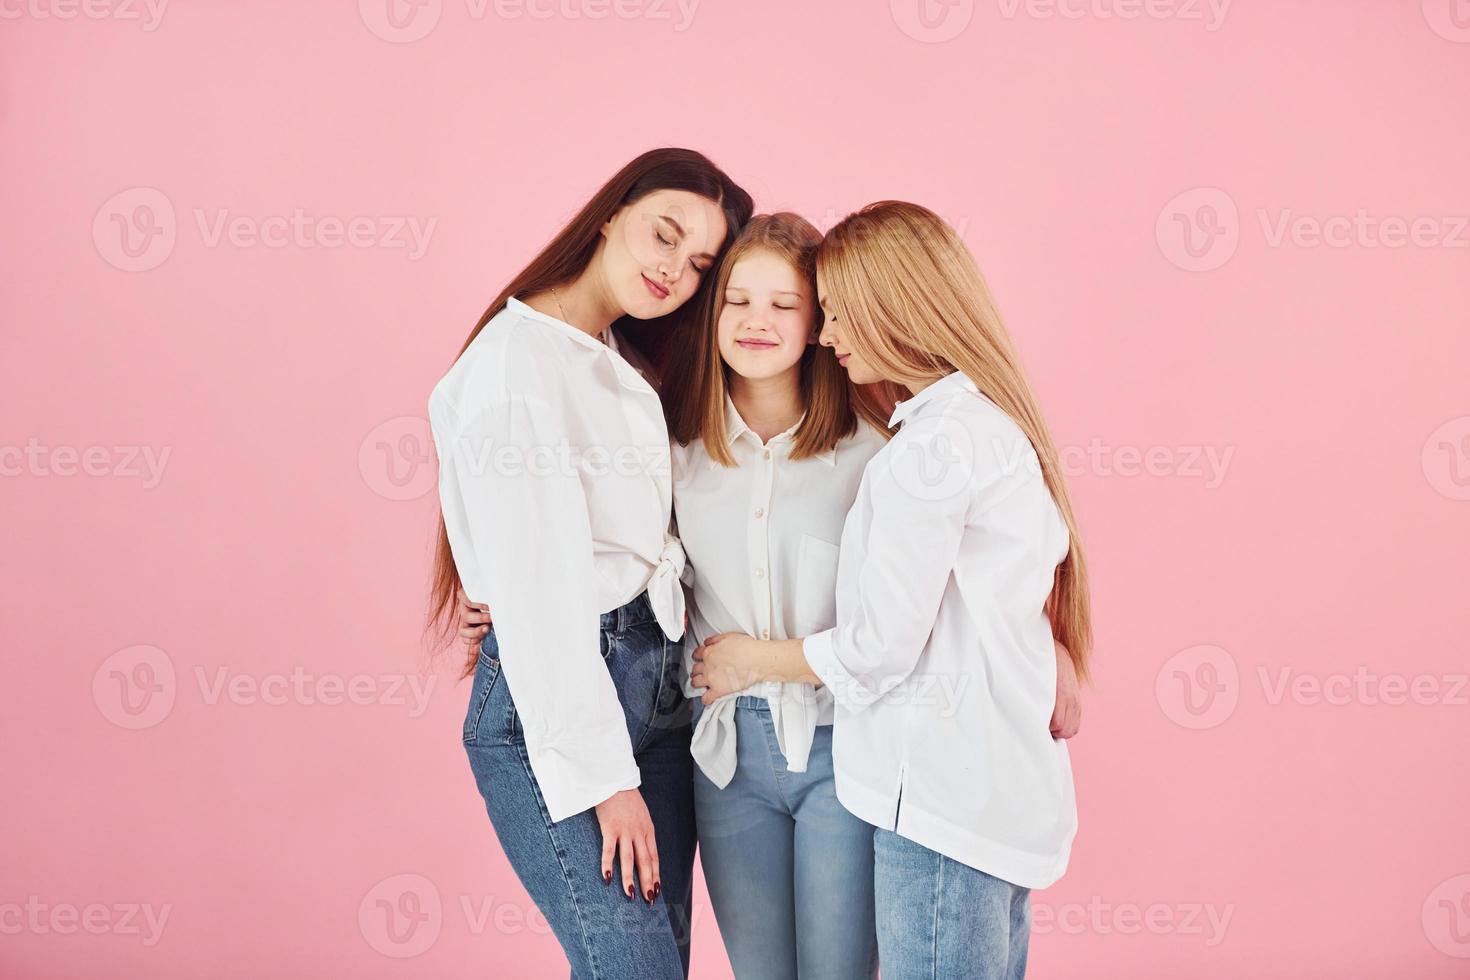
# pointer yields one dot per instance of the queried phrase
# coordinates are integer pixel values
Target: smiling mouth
(842, 359)
(655, 288)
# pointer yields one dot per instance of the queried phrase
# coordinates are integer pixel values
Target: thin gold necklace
(560, 309)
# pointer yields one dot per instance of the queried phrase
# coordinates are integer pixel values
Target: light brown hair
(694, 393)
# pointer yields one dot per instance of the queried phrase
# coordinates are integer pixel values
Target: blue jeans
(789, 870)
(939, 919)
(605, 935)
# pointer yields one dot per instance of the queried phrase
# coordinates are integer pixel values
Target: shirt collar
(581, 336)
(630, 375)
(735, 427)
(952, 382)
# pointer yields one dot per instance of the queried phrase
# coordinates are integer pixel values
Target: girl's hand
(1066, 716)
(724, 665)
(474, 621)
(627, 832)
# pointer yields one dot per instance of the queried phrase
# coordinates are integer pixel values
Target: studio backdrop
(243, 240)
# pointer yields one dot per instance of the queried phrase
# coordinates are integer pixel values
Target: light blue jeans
(939, 919)
(789, 870)
(606, 935)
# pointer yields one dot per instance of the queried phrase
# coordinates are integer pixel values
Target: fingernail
(607, 877)
(657, 887)
(630, 893)
(649, 895)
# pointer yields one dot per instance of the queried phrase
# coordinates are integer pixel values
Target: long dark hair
(565, 258)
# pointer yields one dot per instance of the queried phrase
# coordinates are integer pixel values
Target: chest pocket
(816, 585)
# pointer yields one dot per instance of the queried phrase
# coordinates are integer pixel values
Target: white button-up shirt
(762, 545)
(942, 662)
(555, 487)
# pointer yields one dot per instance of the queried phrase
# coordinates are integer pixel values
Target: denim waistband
(634, 612)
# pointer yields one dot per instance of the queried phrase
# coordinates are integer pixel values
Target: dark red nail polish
(648, 895)
(607, 877)
(657, 886)
(630, 893)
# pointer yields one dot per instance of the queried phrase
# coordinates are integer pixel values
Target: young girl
(556, 502)
(958, 560)
(770, 444)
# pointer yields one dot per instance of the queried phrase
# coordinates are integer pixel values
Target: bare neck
(769, 406)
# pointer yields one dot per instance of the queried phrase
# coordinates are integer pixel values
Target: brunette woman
(556, 500)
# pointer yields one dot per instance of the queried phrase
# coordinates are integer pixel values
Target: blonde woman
(959, 561)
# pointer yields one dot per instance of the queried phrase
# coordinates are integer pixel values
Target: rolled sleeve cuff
(576, 776)
(848, 690)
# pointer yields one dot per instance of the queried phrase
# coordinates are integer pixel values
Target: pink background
(1230, 826)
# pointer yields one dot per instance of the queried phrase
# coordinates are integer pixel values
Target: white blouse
(762, 545)
(555, 487)
(942, 662)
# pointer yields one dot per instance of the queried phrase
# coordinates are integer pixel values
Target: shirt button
(760, 573)
(760, 512)
(765, 634)
(766, 454)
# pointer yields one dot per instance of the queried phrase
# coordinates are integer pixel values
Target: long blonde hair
(915, 307)
(694, 393)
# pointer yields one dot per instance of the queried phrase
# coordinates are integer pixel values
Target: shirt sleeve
(526, 513)
(913, 541)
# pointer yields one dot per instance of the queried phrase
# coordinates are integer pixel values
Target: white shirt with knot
(555, 487)
(762, 545)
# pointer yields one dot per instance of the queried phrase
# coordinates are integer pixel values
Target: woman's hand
(474, 621)
(1066, 716)
(627, 832)
(724, 665)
